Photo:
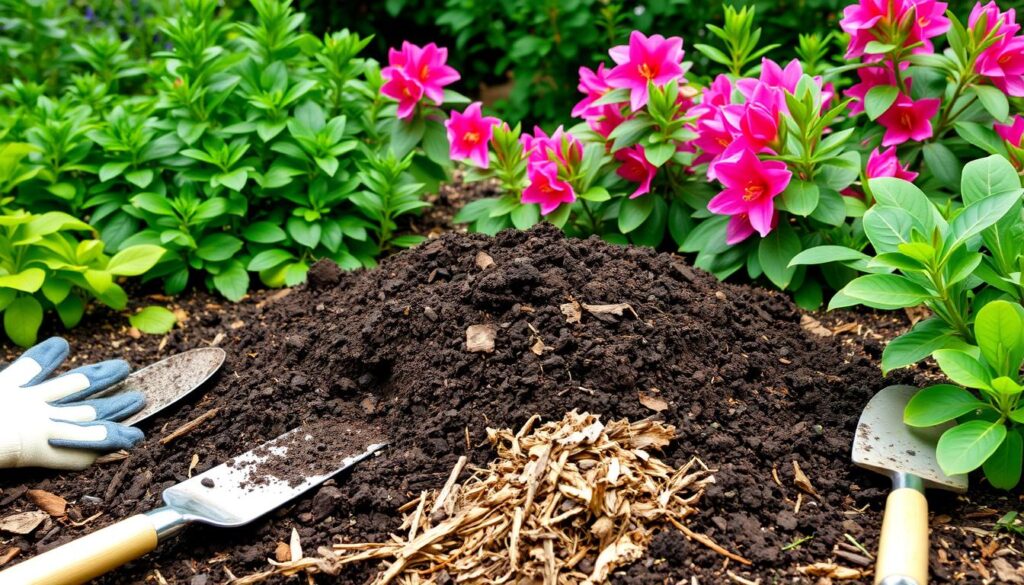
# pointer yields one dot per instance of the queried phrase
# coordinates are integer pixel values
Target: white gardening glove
(52, 423)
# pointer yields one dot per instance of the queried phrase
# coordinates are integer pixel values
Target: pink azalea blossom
(715, 96)
(636, 168)
(469, 134)
(908, 120)
(602, 119)
(1012, 133)
(887, 164)
(881, 20)
(1003, 61)
(406, 90)
(413, 67)
(751, 186)
(545, 188)
(561, 147)
(646, 59)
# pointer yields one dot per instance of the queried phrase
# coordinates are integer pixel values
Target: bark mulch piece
(623, 333)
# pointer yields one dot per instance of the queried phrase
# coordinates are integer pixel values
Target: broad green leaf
(993, 100)
(28, 280)
(776, 251)
(111, 170)
(406, 135)
(887, 227)
(993, 175)
(940, 403)
(634, 212)
(232, 282)
(141, 178)
(823, 254)
(1003, 468)
(879, 99)
(831, 209)
(22, 319)
(269, 259)
(966, 447)
(943, 164)
(70, 310)
(304, 232)
(264, 232)
(153, 203)
(153, 320)
(135, 260)
(978, 216)
(999, 330)
(917, 344)
(960, 367)
(800, 197)
(892, 192)
(885, 291)
(218, 247)
(525, 216)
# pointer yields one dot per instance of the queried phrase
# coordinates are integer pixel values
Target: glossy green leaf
(966, 447)
(22, 319)
(940, 403)
(1003, 468)
(153, 320)
(960, 367)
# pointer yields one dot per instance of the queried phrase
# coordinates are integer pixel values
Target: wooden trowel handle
(903, 546)
(88, 557)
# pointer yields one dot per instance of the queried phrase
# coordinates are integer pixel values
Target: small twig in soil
(742, 580)
(414, 524)
(853, 557)
(189, 426)
(447, 489)
(859, 546)
(708, 542)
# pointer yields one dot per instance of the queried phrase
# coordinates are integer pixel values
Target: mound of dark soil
(749, 390)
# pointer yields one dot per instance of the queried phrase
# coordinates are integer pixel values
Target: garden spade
(169, 380)
(231, 494)
(883, 443)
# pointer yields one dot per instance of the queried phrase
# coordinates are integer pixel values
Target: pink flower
(646, 59)
(887, 164)
(404, 89)
(1012, 133)
(561, 147)
(1003, 61)
(751, 186)
(546, 188)
(908, 120)
(469, 134)
(739, 227)
(635, 168)
(593, 85)
(715, 96)
(869, 78)
(886, 20)
(414, 66)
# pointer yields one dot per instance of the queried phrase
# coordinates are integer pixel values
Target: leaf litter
(566, 502)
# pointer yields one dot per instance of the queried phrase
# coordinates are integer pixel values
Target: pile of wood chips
(556, 495)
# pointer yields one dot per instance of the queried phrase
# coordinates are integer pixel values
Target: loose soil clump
(618, 332)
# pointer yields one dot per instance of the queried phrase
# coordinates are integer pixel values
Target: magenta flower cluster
(738, 124)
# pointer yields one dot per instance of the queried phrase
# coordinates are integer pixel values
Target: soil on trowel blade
(751, 393)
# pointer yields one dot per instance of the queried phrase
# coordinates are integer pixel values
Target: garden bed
(751, 392)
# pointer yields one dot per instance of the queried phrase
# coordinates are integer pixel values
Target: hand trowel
(231, 494)
(883, 443)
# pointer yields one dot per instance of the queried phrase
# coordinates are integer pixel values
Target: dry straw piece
(564, 493)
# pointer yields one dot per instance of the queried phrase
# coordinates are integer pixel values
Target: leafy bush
(241, 147)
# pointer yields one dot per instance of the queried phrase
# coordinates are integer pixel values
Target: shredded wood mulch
(567, 502)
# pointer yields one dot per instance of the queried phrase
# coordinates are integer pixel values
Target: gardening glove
(53, 423)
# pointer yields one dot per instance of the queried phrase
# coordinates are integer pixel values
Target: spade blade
(884, 444)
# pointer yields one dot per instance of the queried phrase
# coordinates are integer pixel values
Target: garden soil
(751, 392)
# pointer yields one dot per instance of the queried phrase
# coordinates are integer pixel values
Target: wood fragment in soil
(802, 481)
(480, 338)
(9, 555)
(555, 495)
(189, 426)
(831, 570)
(52, 504)
(652, 401)
(23, 523)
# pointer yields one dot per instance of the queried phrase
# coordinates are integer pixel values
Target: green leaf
(269, 259)
(22, 319)
(304, 232)
(831, 209)
(234, 180)
(70, 310)
(993, 100)
(218, 247)
(135, 260)
(892, 192)
(885, 291)
(960, 367)
(999, 330)
(596, 194)
(978, 216)
(940, 403)
(658, 154)
(153, 320)
(878, 48)
(887, 227)
(525, 216)
(232, 282)
(111, 170)
(141, 178)
(800, 197)
(993, 175)
(943, 164)
(879, 99)
(153, 203)
(966, 447)
(65, 191)
(634, 212)
(776, 251)
(28, 280)
(1003, 468)
(823, 254)
(406, 135)
(264, 232)
(920, 342)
